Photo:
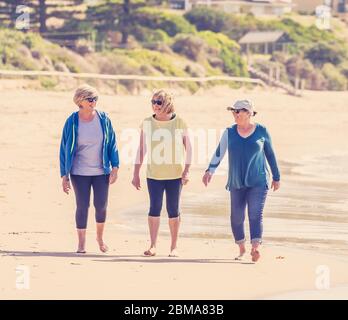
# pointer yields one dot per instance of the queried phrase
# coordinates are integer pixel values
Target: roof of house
(276, 3)
(261, 37)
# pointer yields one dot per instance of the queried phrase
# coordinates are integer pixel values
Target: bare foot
(241, 253)
(173, 253)
(81, 249)
(102, 246)
(150, 252)
(255, 255)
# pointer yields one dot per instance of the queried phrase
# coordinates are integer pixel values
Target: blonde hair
(84, 92)
(167, 100)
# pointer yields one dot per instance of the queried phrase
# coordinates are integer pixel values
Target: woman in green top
(249, 147)
(164, 135)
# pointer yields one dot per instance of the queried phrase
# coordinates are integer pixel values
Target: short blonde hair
(84, 92)
(167, 100)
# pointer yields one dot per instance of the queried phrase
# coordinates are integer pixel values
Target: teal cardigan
(247, 157)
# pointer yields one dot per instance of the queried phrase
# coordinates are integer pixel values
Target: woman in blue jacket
(249, 146)
(89, 158)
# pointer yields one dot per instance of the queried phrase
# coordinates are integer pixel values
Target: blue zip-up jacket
(69, 141)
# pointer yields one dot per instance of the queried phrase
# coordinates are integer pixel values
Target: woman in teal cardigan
(249, 149)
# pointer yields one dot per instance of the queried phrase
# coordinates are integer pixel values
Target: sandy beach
(304, 255)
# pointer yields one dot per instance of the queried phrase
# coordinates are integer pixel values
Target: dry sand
(37, 219)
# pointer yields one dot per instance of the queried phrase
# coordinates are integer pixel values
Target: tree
(117, 15)
(322, 53)
(208, 19)
(45, 9)
(43, 15)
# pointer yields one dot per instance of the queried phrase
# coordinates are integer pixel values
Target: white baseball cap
(243, 104)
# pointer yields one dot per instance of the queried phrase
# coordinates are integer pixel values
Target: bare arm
(139, 161)
(188, 158)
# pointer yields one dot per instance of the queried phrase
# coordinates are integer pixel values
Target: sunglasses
(159, 102)
(92, 99)
(238, 110)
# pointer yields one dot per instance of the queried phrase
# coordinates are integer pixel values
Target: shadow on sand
(119, 258)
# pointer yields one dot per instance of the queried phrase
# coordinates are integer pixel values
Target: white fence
(13, 73)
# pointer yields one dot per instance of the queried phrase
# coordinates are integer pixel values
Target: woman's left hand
(275, 185)
(185, 178)
(113, 175)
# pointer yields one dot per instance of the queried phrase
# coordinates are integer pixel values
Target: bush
(161, 62)
(238, 26)
(323, 53)
(158, 46)
(299, 33)
(280, 57)
(190, 46)
(15, 48)
(215, 49)
(316, 81)
(227, 50)
(148, 35)
(48, 83)
(208, 19)
(344, 68)
(299, 67)
(195, 70)
(84, 47)
(172, 24)
(336, 81)
(218, 21)
(265, 67)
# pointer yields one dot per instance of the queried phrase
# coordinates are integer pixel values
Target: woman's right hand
(66, 184)
(136, 182)
(207, 178)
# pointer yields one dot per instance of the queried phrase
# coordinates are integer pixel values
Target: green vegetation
(170, 23)
(335, 79)
(319, 57)
(141, 37)
(228, 51)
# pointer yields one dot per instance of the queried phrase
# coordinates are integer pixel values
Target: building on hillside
(256, 7)
(179, 4)
(264, 42)
(309, 6)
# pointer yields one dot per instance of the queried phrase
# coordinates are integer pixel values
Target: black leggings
(82, 187)
(156, 190)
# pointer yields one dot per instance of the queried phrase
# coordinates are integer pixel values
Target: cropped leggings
(172, 188)
(82, 186)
